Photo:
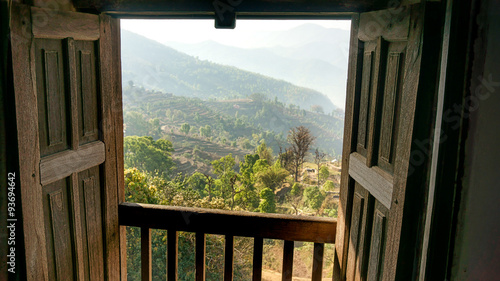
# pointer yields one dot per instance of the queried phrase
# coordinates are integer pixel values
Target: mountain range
(153, 65)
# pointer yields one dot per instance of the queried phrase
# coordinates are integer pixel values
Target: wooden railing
(230, 224)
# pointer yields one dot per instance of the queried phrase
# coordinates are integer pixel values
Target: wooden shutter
(385, 94)
(68, 112)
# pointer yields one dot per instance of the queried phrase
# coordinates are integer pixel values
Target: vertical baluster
(228, 258)
(286, 273)
(200, 256)
(257, 258)
(146, 268)
(317, 261)
(172, 254)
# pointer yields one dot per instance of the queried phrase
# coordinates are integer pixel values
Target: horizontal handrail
(232, 223)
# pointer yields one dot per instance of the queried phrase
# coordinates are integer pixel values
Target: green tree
(185, 128)
(314, 197)
(328, 185)
(323, 173)
(268, 201)
(265, 152)
(148, 155)
(271, 176)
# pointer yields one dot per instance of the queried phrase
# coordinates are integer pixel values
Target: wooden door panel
(86, 87)
(372, 141)
(58, 230)
(70, 177)
(52, 96)
(91, 221)
(377, 242)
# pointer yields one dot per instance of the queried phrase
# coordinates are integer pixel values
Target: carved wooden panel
(361, 227)
(86, 80)
(91, 220)
(391, 106)
(377, 244)
(58, 229)
(52, 97)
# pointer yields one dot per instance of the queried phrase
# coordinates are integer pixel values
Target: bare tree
(318, 156)
(300, 139)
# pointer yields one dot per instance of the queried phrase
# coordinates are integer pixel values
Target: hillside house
(419, 196)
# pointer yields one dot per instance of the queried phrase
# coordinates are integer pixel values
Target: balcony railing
(230, 224)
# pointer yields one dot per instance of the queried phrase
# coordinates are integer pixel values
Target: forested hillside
(158, 67)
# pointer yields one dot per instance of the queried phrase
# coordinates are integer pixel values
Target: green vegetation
(250, 153)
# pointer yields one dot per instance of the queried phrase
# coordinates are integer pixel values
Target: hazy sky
(194, 31)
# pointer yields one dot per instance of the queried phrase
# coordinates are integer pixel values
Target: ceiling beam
(220, 8)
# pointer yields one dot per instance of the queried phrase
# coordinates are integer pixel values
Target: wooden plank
(355, 233)
(77, 227)
(70, 66)
(28, 144)
(372, 179)
(200, 256)
(376, 84)
(146, 259)
(349, 145)
(172, 254)
(317, 270)
(93, 222)
(62, 245)
(63, 164)
(377, 245)
(258, 247)
(64, 24)
(287, 271)
(158, 7)
(222, 222)
(228, 258)
(390, 24)
(108, 48)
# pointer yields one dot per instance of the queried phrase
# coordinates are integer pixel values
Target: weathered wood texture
(63, 164)
(372, 179)
(383, 86)
(146, 260)
(287, 270)
(69, 199)
(258, 247)
(272, 226)
(200, 256)
(111, 136)
(349, 145)
(28, 144)
(318, 256)
(199, 7)
(172, 254)
(59, 25)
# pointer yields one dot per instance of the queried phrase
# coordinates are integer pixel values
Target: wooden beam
(63, 164)
(220, 8)
(64, 24)
(317, 269)
(258, 247)
(287, 272)
(228, 258)
(246, 224)
(172, 254)
(146, 259)
(200, 256)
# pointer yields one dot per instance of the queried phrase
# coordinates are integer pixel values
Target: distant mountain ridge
(153, 65)
(309, 55)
